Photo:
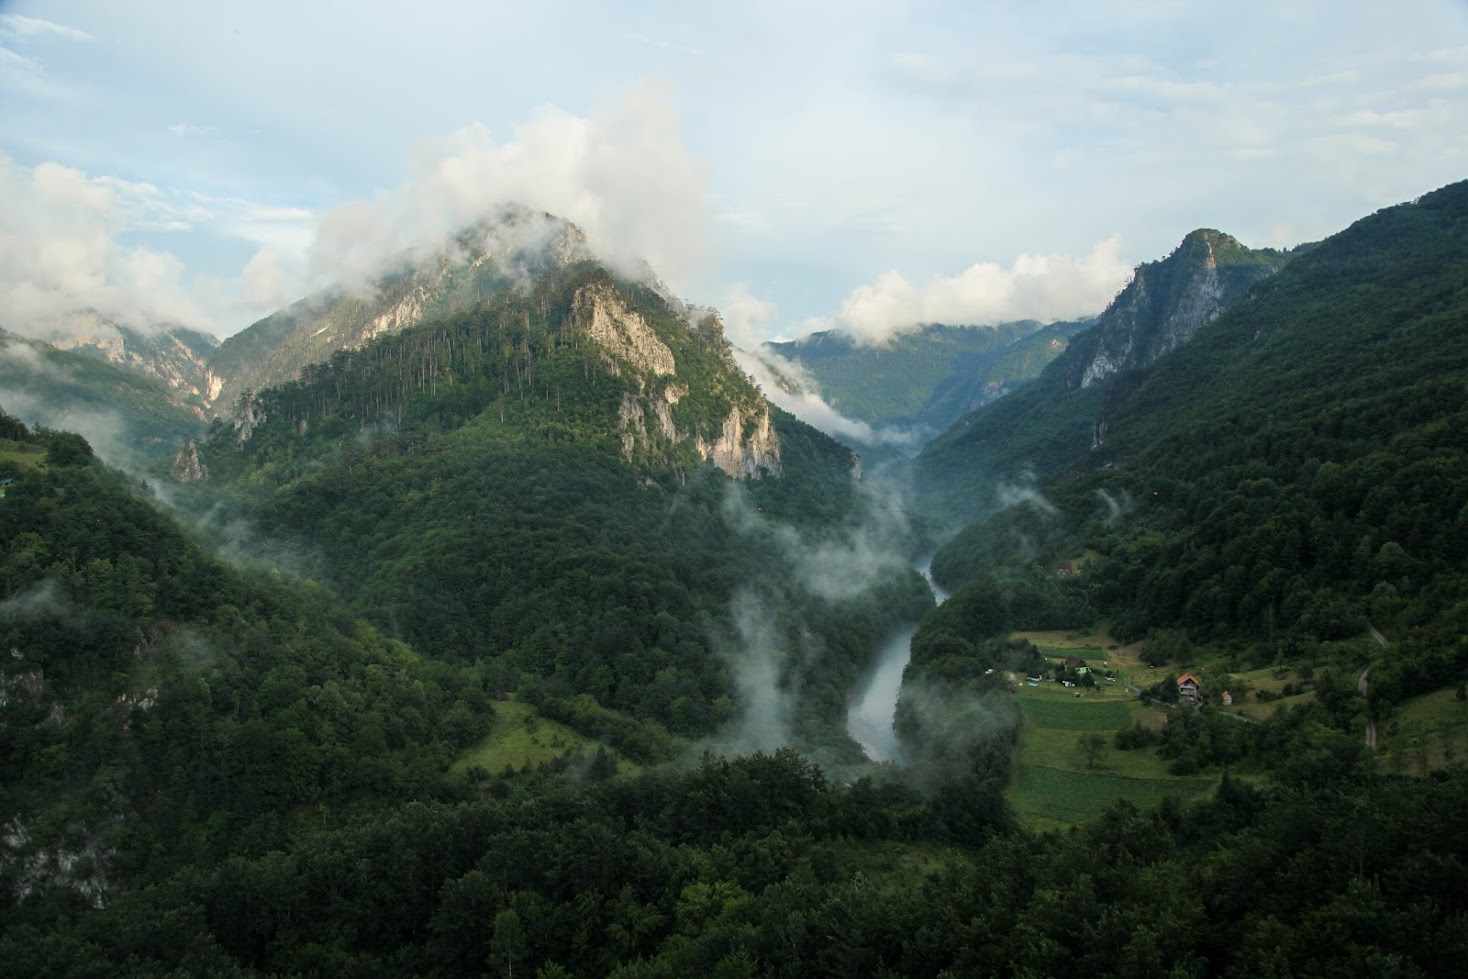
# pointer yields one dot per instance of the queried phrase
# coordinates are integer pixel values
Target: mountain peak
(502, 251)
(1168, 301)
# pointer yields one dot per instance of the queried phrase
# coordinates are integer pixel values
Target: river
(869, 720)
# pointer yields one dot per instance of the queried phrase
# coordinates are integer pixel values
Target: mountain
(1294, 472)
(573, 481)
(1053, 423)
(480, 261)
(214, 770)
(129, 416)
(175, 356)
(926, 378)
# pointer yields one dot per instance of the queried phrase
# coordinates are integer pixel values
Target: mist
(788, 384)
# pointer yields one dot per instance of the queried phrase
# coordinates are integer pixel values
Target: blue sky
(864, 165)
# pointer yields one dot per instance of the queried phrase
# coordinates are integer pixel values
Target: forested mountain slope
(1050, 426)
(575, 484)
(1297, 470)
(494, 255)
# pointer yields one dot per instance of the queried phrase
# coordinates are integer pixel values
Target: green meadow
(522, 737)
(1057, 786)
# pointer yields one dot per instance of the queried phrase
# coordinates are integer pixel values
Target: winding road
(1364, 685)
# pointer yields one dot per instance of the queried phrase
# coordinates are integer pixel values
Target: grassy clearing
(1043, 748)
(1076, 715)
(522, 737)
(891, 865)
(23, 454)
(1424, 733)
(1274, 681)
(1048, 798)
(1055, 786)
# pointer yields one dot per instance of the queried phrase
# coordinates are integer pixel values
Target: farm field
(1055, 786)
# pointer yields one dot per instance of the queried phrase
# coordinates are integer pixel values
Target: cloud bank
(1038, 287)
(619, 173)
(60, 251)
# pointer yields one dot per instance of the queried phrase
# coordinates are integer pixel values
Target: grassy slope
(1054, 787)
(522, 737)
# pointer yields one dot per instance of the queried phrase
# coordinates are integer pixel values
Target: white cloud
(1039, 287)
(60, 253)
(620, 173)
(21, 27)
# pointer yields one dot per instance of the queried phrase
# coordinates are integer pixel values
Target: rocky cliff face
(187, 466)
(484, 260)
(743, 443)
(1167, 302)
(176, 356)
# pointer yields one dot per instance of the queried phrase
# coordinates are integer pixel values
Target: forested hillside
(1295, 472)
(1049, 427)
(510, 486)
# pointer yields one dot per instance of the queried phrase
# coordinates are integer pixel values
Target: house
(1074, 661)
(1188, 689)
(1226, 700)
(1065, 568)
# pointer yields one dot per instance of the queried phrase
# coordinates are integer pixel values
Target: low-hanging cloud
(619, 173)
(787, 383)
(61, 253)
(1038, 287)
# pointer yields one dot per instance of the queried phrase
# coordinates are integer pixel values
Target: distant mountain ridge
(122, 410)
(176, 356)
(924, 379)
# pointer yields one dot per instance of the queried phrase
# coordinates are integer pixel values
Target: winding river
(869, 720)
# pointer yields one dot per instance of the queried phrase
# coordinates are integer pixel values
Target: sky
(865, 165)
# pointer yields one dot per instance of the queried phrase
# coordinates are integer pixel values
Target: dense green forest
(216, 772)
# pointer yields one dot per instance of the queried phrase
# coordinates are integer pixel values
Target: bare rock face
(248, 413)
(174, 355)
(1169, 301)
(187, 467)
(744, 454)
(744, 446)
(603, 315)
